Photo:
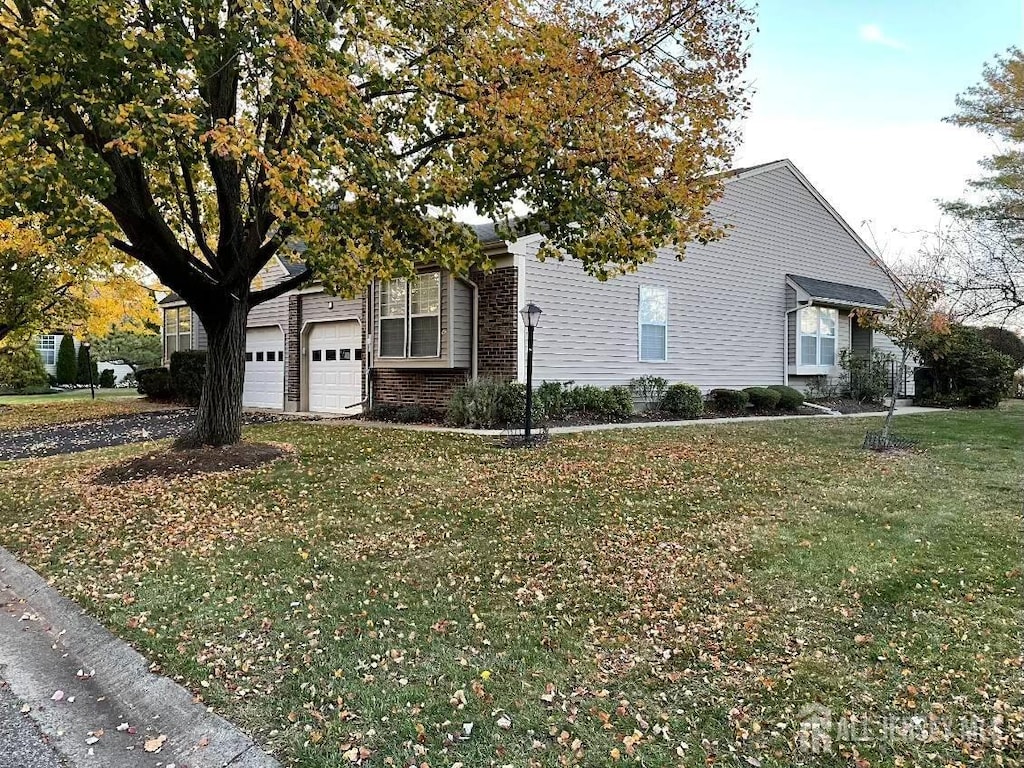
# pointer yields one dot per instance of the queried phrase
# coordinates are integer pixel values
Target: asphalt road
(22, 744)
(55, 439)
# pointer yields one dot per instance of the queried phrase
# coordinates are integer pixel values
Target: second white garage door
(334, 355)
(264, 369)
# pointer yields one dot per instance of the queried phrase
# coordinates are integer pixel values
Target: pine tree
(67, 365)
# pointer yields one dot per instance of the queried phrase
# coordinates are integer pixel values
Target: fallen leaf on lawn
(152, 745)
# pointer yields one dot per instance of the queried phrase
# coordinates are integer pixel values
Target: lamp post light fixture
(88, 367)
(531, 319)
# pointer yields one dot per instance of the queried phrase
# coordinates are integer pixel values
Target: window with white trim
(653, 314)
(817, 330)
(410, 316)
(177, 330)
(48, 349)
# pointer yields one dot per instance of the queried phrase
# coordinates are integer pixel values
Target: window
(410, 316)
(816, 328)
(653, 324)
(177, 330)
(393, 302)
(248, 357)
(358, 353)
(259, 357)
(316, 355)
(345, 354)
(48, 349)
(331, 354)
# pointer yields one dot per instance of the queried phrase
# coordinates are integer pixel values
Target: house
(770, 303)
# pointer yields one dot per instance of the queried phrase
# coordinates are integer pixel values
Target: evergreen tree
(67, 366)
(84, 366)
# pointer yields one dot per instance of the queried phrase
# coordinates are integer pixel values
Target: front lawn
(26, 411)
(659, 597)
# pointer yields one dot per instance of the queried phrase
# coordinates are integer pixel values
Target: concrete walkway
(907, 410)
(90, 698)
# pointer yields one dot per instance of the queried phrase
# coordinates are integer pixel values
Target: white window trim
(51, 349)
(640, 324)
(408, 316)
(177, 330)
(436, 313)
(815, 369)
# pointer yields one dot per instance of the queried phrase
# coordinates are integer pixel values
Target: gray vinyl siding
(199, 340)
(727, 299)
(316, 309)
(273, 312)
(462, 324)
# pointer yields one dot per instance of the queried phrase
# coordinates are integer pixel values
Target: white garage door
(264, 369)
(334, 356)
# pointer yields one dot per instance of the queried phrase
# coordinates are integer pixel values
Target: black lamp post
(531, 319)
(88, 367)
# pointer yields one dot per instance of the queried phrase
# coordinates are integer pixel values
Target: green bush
(1006, 341)
(789, 398)
(684, 401)
(865, 379)
(728, 400)
(107, 380)
(649, 390)
(474, 404)
(553, 399)
(67, 361)
(968, 373)
(763, 398)
(22, 369)
(618, 403)
(86, 367)
(155, 383)
(588, 400)
(188, 370)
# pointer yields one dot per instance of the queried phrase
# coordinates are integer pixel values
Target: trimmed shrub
(589, 400)
(107, 380)
(762, 398)
(728, 400)
(649, 390)
(67, 361)
(86, 367)
(789, 398)
(475, 404)
(865, 379)
(22, 369)
(684, 401)
(188, 370)
(618, 403)
(155, 383)
(552, 397)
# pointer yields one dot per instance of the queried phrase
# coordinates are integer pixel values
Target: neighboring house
(770, 303)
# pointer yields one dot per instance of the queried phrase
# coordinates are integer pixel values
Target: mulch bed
(845, 405)
(171, 463)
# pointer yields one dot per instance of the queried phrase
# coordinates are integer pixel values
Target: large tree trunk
(219, 421)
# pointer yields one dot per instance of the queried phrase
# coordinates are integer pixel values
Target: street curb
(61, 637)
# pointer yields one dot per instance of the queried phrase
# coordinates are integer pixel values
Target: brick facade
(497, 340)
(293, 355)
(428, 387)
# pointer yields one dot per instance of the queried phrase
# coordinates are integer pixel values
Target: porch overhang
(810, 290)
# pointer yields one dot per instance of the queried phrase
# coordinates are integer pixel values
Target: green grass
(659, 597)
(73, 394)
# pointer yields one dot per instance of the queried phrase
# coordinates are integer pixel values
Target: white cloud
(872, 33)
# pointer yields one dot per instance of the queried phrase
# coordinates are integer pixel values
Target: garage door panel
(264, 369)
(334, 360)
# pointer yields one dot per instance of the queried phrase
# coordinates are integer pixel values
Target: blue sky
(855, 92)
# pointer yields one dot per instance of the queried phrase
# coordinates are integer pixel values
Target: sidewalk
(92, 696)
(907, 410)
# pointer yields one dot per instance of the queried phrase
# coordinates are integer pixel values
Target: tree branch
(259, 297)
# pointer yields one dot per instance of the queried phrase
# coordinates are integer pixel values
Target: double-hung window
(817, 328)
(410, 316)
(653, 324)
(48, 349)
(177, 330)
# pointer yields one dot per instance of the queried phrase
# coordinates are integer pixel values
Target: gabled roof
(827, 292)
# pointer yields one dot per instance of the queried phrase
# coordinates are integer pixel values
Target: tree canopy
(201, 138)
(980, 255)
